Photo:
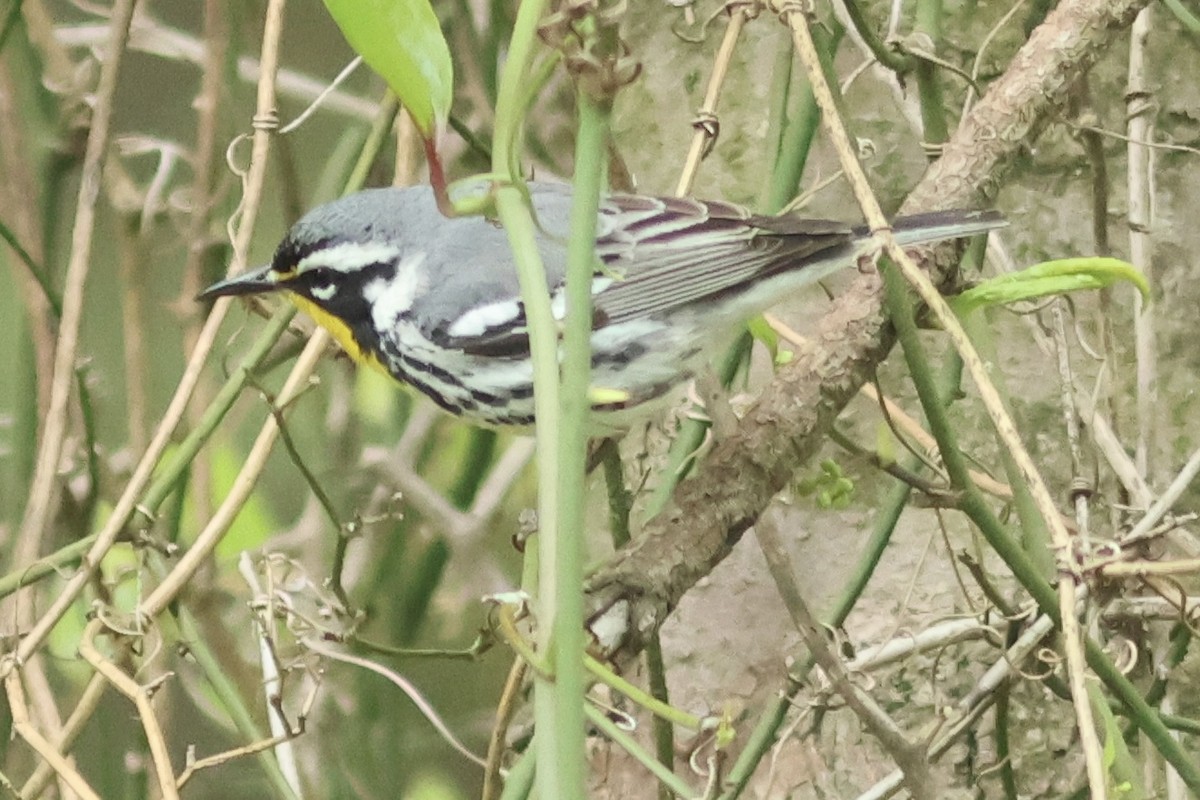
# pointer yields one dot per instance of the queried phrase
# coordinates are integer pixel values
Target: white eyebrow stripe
(347, 256)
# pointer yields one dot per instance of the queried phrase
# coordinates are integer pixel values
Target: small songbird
(435, 303)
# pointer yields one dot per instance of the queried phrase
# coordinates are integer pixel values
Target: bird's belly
(627, 371)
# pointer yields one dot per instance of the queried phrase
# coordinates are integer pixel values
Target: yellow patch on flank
(603, 396)
(339, 330)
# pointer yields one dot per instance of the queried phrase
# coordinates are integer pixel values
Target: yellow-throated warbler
(434, 302)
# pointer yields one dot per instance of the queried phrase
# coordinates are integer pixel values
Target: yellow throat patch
(339, 330)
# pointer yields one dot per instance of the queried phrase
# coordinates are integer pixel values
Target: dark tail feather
(937, 225)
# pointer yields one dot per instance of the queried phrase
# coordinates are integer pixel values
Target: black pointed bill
(255, 281)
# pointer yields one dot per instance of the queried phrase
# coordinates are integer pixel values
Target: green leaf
(1050, 278)
(403, 42)
(761, 330)
(831, 468)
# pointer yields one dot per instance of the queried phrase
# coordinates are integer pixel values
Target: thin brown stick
(45, 708)
(83, 711)
(200, 239)
(157, 39)
(217, 759)
(27, 731)
(1138, 569)
(706, 123)
(243, 485)
(509, 695)
(252, 199)
(909, 756)
(141, 699)
(903, 420)
(54, 433)
(1140, 112)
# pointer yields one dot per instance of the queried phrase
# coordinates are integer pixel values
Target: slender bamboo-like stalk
(1140, 113)
(518, 222)
(568, 634)
(125, 507)
(42, 488)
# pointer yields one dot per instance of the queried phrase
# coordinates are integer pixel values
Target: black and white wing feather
(666, 253)
(657, 255)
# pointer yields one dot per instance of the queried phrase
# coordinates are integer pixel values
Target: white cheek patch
(481, 319)
(389, 299)
(347, 256)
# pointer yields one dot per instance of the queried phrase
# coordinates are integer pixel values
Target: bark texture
(631, 595)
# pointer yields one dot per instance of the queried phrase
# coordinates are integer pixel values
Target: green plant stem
(10, 23)
(1008, 778)
(35, 270)
(779, 100)
(656, 681)
(1035, 537)
(1124, 770)
(1182, 724)
(620, 499)
(929, 84)
(87, 414)
(519, 224)
(896, 62)
(227, 694)
(50, 564)
(800, 127)
(1180, 640)
(1185, 16)
(481, 447)
(620, 502)
(661, 710)
(556, 779)
(518, 784)
(975, 507)
(509, 106)
(569, 636)
(629, 745)
(381, 128)
(692, 431)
